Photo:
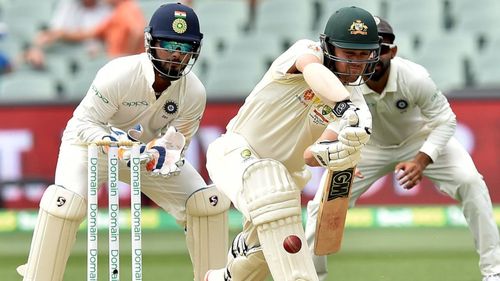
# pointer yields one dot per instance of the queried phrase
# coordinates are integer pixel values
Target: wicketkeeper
(152, 98)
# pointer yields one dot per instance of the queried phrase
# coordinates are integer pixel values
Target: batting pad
(273, 202)
(61, 212)
(207, 230)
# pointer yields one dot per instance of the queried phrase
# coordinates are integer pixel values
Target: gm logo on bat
(340, 184)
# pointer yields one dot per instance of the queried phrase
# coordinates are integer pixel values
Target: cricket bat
(332, 211)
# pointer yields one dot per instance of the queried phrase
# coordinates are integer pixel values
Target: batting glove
(351, 115)
(354, 136)
(335, 155)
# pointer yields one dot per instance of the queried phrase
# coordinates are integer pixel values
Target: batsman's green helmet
(355, 29)
(352, 28)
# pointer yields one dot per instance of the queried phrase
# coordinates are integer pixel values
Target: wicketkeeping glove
(166, 154)
(335, 155)
(118, 135)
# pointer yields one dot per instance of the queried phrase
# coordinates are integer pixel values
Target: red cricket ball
(292, 244)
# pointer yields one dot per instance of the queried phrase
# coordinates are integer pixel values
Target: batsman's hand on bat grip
(355, 130)
(352, 116)
(166, 154)
(354, 137)
(335, 155)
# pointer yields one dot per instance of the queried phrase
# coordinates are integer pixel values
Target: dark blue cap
(175, 21)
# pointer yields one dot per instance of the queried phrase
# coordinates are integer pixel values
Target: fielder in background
(413, 128)
(156, 99)
(258, 163)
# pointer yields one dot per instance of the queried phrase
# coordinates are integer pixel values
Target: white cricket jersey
(410, 106)
(122, 96)
(282, 116)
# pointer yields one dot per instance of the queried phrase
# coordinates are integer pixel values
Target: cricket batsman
(155, 99)
(258, 163)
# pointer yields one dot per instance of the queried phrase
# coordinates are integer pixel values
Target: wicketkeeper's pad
(207, 231)
(61, 212)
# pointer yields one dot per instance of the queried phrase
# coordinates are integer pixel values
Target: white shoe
(21, 269)
(494, 277)
(216, 275)
(206, 275)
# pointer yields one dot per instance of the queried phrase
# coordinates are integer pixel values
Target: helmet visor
(173, 46)
(173, 59)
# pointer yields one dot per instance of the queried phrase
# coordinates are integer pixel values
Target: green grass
(391, 254)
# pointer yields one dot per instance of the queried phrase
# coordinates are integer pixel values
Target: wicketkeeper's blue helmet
(174, 27)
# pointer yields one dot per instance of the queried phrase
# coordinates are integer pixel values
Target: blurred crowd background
(50, 50)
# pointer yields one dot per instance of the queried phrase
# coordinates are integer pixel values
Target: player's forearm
(422, 159)
(93, 114)
(309, 159)
(435, 107)
(325, 84)
(89, 131)
(438, 138)
(321, 80)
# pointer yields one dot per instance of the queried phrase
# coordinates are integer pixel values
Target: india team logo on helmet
(179, 25)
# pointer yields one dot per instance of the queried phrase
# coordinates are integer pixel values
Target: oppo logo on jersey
(98, 94)
(135, 103)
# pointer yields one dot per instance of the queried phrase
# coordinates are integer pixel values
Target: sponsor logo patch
(98, 94)
(246, 153)
(340, 108)
(213, 200)
(60, 201)
(135, 103)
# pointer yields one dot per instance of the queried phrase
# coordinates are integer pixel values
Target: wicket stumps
(114, 210)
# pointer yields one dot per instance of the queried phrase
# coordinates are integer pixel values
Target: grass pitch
(388, 254)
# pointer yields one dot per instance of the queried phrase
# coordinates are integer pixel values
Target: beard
(168, 70)
(380, 69)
